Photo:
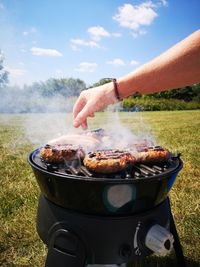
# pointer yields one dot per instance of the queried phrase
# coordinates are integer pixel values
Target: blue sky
(89, 39)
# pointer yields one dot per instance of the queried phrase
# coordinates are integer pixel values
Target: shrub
(147, 103)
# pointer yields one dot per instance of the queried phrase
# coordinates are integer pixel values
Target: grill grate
(137, 171)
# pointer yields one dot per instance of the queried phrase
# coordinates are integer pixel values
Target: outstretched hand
(92, 100)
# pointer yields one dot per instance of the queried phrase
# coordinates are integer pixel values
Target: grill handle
(65, 249)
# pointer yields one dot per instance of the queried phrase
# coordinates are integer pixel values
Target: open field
(20, 134)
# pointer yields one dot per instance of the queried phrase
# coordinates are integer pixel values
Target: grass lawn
(20, 134)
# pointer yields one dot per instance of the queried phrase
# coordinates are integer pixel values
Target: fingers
(78, 106)
(84, 125)
(81, 118)
(82, 109)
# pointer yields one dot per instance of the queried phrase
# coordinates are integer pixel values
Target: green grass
(19, 242)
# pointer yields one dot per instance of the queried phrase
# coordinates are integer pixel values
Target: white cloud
(117, 62)
(134, 62)
(97, 32)
(76, 43)
(16, 72)
(134, 17)
(139, 32)
(86, 67)
(37, 51)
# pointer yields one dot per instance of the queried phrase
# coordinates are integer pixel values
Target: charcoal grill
(91, 218)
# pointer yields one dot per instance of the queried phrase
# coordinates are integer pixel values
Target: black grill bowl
(103, 195)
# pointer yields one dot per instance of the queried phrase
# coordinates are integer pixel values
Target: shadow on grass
(162, 262)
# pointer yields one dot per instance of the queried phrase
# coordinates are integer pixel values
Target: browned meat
(152, 154)
(70, 146)
(108, 161)
(59, 153)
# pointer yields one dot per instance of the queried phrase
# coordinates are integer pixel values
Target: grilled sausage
(108, 161)
(59, 153)
(152, 154)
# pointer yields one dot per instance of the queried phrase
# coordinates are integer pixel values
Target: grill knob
(159, 240)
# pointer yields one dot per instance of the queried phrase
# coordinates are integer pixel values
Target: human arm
(177, 67)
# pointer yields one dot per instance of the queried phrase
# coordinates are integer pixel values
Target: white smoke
(121, 129)
(120, 136)
(39, 128)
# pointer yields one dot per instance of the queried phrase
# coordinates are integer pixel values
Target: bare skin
(177, 67)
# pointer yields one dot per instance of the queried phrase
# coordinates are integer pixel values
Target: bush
(188, 93)
(147, 103)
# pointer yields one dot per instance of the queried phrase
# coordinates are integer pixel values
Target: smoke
(29, 99)
(120, 136)
(50, 117)
(121, 129)
(41, 127)
(47, 105)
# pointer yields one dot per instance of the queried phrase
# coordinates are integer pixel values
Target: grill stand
(177, 245)
(76, 240)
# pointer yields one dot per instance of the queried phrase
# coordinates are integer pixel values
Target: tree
(66, 87)
(3, 72)
(101, 82)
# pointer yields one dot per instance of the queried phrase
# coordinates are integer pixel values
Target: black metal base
(177, 245)
(75, 240)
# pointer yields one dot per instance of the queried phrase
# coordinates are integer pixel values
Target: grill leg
(177, 245)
